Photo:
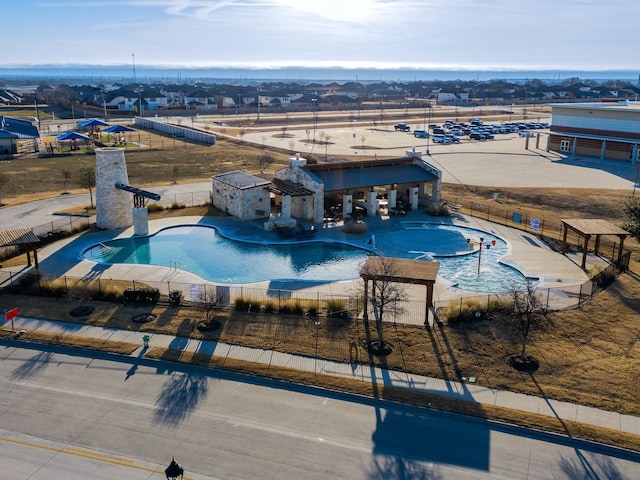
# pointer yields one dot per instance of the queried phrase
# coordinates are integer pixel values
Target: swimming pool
(457, 248)
(203, 251)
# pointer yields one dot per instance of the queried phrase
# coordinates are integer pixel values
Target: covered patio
(588, 228)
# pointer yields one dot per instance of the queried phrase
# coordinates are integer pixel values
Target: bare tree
(284, 130)
(326, 147)
(66, 175)
(527, 306)
(292, 144)
(363, 139)
(210, 302)
(264, 161)
(86, 178)
(384, 292)
(175, 170)
(242, 133)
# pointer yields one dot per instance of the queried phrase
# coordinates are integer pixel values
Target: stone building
(244, 196)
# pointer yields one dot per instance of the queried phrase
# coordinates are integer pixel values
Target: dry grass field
(589, 355)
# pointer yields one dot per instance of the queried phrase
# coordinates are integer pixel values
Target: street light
(429, 134)
(315, 118)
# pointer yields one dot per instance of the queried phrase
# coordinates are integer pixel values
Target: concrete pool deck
(560, 273)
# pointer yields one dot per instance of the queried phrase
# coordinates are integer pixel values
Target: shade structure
(93, 122)
(72, 136)
(118, 129)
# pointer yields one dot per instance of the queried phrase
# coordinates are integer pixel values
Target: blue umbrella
(72, 136)
(94, 122)
(118, 129)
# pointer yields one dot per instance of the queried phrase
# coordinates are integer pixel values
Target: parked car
(526, 133)
(488, 136)
(440, 131)
(403, 127)
(452, 138)
(420, 133)
(476, 136)
(440, 139)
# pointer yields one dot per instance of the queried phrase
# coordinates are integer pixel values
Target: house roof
(20, 128)
(369, 173)
(241, 180)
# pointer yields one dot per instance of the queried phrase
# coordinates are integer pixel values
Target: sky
(558, 35)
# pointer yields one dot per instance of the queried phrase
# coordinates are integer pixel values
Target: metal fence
(176, 130)
(550, 231)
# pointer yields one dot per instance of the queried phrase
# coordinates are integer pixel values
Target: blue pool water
(457, 250)
(204, 252)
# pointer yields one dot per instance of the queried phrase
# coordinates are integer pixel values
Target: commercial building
(608, 130)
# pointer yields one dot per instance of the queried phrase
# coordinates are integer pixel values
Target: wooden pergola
(21, 236)
(400, 270)
(588, 228)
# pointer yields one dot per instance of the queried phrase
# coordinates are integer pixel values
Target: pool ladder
(176, 265)
(104, 249)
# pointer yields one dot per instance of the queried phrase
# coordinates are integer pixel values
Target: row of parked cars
(475, 129)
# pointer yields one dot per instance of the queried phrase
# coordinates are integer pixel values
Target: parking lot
(509, 160)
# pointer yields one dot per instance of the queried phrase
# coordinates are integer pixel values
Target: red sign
(10, 314)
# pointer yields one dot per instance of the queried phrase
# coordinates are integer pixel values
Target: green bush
(141, 295)
(175, 297)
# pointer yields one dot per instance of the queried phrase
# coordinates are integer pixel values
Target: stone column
(286, 206)
(113, 206)
(392, 195)
(347, 204)
(414, 198)
(372, 205)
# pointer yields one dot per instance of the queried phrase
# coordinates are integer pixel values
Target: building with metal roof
(17, 136)
(359, 188)
(241, 195)
(607, 129)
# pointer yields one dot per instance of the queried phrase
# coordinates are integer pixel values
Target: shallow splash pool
(204, 252)
(466, 261)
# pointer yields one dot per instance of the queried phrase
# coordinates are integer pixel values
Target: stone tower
(113, 206)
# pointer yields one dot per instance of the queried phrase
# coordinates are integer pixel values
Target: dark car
(403, 127)
(420, 133)
(476, 136)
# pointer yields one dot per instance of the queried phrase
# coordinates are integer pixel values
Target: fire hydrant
(145, 341)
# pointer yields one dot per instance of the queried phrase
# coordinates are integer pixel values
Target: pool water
(457, 249)
(204, 252)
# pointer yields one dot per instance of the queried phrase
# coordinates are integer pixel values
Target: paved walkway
(463, 391)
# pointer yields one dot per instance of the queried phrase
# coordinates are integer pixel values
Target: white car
(526, 133)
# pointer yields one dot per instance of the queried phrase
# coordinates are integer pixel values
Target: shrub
(155, 207)
(269, 307)
(297, 309)
(337, 309)
(175, 297)
(312, 311)
(468, 310)
(141, 295)
(438, 210)
(286, 309)
(177, 206)
(242, 304)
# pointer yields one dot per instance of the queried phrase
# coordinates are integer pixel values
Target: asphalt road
(43, 212)
(66, 414)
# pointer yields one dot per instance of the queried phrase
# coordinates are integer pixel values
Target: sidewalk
(458, 390)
